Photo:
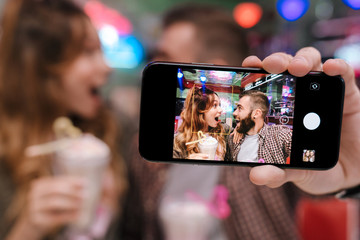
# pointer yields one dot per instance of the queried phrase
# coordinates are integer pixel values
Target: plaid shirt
(274, 145)
(258, 212)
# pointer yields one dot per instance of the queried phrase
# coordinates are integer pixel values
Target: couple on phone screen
(251, 141)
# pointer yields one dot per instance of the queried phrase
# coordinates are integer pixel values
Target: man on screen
(260, 142)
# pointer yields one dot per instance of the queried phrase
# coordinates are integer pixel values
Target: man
(260, 142)
(210, 35)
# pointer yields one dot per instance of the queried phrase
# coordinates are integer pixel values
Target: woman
(202, 111)
(306, 156)
(51, 65)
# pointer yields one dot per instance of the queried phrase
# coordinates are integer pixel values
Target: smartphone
(207, 114)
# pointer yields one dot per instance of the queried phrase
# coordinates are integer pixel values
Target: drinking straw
(64, 130)
(47, 148)
(218, 205)
(201, 137)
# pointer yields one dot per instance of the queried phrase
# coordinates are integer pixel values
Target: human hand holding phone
(249, 117)
(345, 174)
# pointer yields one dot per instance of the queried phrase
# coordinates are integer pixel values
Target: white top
(249, 149)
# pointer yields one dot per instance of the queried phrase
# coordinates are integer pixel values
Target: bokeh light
(226, 105)
(126, 52)
(101, 15)
(108, 35)
(121, 48)
(247, 14)
(354, 4)
(350, 53)
(292, 10)
(324, 9)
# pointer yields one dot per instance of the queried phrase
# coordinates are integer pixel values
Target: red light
(101, 15)
(247, 14)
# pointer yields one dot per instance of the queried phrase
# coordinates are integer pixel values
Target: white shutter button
(311, 121)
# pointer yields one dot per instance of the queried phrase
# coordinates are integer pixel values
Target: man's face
(243, 116)
(177, 44)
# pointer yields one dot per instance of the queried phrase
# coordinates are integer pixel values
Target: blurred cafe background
(128, 30)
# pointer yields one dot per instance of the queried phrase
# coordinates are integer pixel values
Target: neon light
(247, 14)
(354, 4)
(108, 35)
(101, 15)
(221, 75)
(350, 53)
(292, 10)
(121, 49)
(226, 105)
(203, 79)
(180, 76)
(127, 52)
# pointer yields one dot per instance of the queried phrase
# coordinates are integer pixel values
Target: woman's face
(212, 117)
(83, 78)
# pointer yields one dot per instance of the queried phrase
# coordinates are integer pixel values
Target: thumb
(273, 177)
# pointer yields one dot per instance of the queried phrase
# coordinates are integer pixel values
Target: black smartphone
(207, 114)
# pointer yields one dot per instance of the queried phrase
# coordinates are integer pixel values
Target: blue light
(120, 51)
(354, 4)
(292, 10)
(180, 76)
(203, 79)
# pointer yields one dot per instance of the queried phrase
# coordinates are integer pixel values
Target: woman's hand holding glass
(52, 202)
(199, 156)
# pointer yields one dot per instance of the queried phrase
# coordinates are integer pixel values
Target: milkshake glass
(87, 157)
(208, 146)
(185, 220)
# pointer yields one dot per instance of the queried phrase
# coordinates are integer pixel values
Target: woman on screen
(202, 111)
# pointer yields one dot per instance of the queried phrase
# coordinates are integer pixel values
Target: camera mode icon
(314, 86)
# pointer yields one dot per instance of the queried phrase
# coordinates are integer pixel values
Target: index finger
(306, 59)
(63, 185)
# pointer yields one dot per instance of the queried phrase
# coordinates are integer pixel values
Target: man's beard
(246, 124)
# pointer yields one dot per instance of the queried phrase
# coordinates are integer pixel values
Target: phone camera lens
(314, 86)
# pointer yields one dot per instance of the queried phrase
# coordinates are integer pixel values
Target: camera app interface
(233, 116)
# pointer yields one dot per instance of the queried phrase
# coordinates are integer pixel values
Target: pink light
(221, 75)
(102, 15)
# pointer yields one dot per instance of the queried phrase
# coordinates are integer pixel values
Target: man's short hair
(217, 31)
(258, 100)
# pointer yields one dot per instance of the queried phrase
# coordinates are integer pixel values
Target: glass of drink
(86, 157)
(208, 146)
(185, 220)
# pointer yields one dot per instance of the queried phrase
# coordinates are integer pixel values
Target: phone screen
(205, 114)
(212, 106)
